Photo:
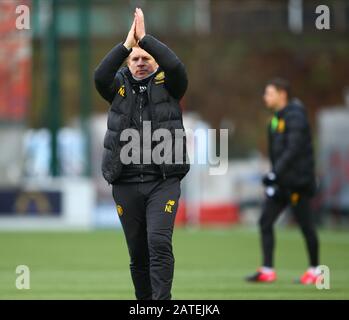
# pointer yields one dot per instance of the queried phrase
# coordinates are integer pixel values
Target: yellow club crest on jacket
(160, 77)
(281, 126)
(119, 210)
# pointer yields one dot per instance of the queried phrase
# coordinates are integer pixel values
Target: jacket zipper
(162, 166)
(141, 133)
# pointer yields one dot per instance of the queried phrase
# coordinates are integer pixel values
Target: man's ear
(284, 95)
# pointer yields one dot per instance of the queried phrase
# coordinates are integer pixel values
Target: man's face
(141, 63)
(273, 98)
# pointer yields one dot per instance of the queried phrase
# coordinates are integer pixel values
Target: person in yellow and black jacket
(145, 94)
(291, 181)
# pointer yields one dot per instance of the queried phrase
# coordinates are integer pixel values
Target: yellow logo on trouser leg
(169, 205)
(295, 198)
(119, 210)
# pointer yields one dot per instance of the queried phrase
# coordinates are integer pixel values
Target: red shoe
(309, 277)
(261, 276)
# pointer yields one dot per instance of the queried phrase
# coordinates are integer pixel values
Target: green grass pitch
(210, 264)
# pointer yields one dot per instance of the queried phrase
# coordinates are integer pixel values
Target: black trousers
(272, 208)
(147, 212)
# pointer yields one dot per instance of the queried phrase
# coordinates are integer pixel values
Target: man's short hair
(135, 46)
(281, 85)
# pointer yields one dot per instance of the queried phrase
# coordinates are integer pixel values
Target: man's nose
(140, 63)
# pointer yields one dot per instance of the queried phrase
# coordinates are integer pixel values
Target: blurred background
(52, 121)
